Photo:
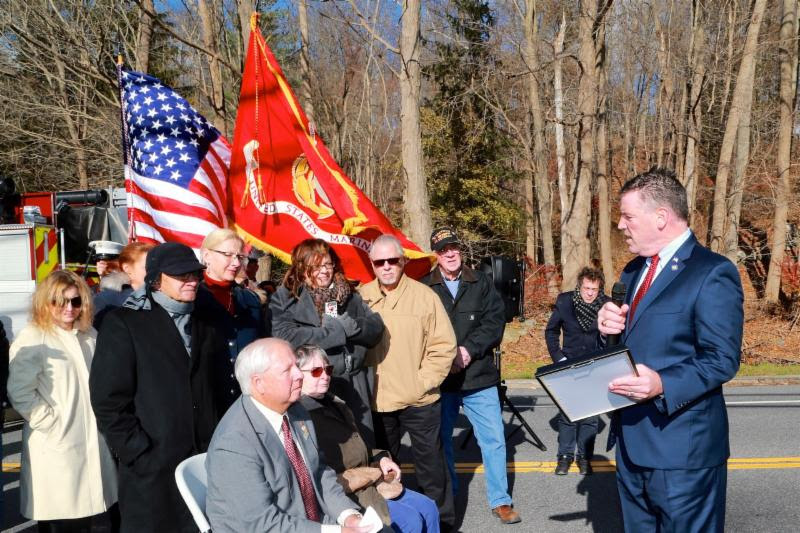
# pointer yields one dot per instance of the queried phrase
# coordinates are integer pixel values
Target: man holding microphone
(682, 320)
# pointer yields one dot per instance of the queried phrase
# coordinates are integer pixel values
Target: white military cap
(106, 249)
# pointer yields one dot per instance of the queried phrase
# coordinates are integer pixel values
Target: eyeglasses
(230, 255)
(317, 370)
(186, 278)
(75, 302)
(391, 260)
(326, 266)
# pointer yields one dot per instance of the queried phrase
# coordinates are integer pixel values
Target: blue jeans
(482, 407)
(412, 512)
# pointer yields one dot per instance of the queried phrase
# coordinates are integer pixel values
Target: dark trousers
(423, 427)
(671, 501)
(82, 525)
(581, 433)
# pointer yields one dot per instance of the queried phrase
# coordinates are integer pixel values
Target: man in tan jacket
(411, 360)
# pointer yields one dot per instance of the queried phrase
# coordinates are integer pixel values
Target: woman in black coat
(239, 317)
(316, 305)
(575, 314)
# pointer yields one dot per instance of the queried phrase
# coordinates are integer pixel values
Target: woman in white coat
(68, 475)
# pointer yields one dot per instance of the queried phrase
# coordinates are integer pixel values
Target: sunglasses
(317, 370)
(75, 302)
(391, 260)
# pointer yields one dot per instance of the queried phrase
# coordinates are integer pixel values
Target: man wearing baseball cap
(477, 314)
(152, 388)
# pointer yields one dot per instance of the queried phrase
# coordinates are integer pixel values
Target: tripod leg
(515, 413)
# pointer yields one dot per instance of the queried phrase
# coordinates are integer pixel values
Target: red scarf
(222, 291)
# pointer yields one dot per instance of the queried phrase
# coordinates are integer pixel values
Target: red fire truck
(43, 231)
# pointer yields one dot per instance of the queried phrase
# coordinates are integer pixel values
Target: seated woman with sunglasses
(238, 314)
(67, 475)
(316, 305)
(368, 475)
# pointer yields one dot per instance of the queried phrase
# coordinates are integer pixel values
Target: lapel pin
(304, 429)
(675, 266)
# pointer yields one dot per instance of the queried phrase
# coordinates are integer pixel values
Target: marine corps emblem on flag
(308, 190)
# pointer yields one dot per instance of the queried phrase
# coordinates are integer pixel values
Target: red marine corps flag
(284, 185)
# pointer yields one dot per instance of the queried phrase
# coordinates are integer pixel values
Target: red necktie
(301, 472)
(648, 279)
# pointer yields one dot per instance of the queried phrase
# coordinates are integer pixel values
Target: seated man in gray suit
(264, 473)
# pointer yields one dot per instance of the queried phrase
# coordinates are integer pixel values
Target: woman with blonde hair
(67, 476)
(237, 312)
(316, 305)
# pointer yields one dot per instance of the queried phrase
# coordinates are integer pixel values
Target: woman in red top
(236, 311)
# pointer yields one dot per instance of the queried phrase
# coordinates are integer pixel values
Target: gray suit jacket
(251, 485)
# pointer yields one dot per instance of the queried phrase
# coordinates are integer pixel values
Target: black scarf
(586, 313)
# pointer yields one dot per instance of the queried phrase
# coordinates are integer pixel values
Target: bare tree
(603, 161)
(697, 56)
(788, 92)
(575, 229)
(558, 104)
(738, 116)
(145, 33)
(530, 55)
(417, 207)
(245, 10)
(305, 69)
(209, 16)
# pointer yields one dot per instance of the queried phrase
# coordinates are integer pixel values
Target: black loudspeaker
(508, 276)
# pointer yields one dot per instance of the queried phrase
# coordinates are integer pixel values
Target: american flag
(176, 164)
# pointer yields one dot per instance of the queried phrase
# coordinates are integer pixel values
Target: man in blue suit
(682, 321)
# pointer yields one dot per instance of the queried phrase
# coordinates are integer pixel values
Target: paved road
(763, 480)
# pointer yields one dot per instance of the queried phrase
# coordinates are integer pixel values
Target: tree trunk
(145, 32)
(208, 17)
(543, 202)
(731, 246)
(640, 152)
(246, 8)
(695, 123)
(417, 207)
(574, 233)
(558, 103)
(741, 103)
(603, 182)
(678, 147)
(305, 66)
(626, 139)
(788, 90)
(264, 272)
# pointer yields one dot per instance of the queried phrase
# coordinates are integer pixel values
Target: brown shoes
(506, 514)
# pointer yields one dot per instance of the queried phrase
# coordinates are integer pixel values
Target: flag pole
(125, 150)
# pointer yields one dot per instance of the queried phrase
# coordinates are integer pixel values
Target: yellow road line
(739, 463)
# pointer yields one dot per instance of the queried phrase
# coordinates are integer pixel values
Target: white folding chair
(192, 482)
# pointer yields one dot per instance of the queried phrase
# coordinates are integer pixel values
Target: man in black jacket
(575, 313)
(152, 388)
(477, 314)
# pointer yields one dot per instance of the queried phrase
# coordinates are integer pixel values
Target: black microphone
(617, 298)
